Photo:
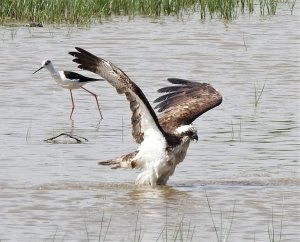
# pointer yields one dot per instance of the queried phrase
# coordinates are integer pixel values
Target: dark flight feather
(180, 104)
(185, 102)
(122, 83)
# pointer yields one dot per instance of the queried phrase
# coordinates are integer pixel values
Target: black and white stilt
(70, 80)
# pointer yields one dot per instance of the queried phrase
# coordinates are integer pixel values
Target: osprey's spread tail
(124, 161)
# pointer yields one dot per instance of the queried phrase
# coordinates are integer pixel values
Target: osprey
(163, 139)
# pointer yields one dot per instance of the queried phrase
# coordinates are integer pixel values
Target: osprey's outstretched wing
(144, 120)
(184, 102)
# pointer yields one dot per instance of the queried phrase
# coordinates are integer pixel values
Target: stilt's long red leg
(73, 106)
(95, 98)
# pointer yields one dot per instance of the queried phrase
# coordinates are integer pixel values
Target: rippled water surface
(243, 172)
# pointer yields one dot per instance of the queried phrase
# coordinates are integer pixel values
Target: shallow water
(244, 169)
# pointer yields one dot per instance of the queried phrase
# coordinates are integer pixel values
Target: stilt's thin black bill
(38, 70)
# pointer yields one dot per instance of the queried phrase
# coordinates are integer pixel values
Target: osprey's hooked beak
(195, 137)
(38, 69)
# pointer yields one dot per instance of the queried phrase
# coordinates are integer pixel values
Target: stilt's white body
(60, 78)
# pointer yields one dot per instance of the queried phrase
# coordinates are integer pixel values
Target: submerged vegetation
(85, 11)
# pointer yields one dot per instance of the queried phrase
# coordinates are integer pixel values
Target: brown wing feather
(185, 102)
(139, 105)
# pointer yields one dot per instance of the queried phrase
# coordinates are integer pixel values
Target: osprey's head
(188, 131)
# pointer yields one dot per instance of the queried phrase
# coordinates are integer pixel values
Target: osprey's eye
(189, 133)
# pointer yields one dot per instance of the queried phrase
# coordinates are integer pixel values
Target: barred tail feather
(114, 164)
(124, 161)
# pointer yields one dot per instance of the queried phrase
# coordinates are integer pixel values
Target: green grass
(268, 6)
(222, 236)
(291, 4)
(101, 236)
(238, 132)
(258, 94)
(138, 236)
(85, 11)
(271, 229)
(180, 231)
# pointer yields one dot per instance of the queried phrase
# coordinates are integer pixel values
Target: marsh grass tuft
(180, 231)
(85, 11)
(258, 94)
(183, 232)
(271, 228)
(53, 239)
(221, 237)
(28, 132)
(101, 228)
(86, 231)
(291, 5)
(239, 131)
(246, 49)
(268, 7)
(138, 236)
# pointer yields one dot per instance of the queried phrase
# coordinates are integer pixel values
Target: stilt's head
(45, 64)
(188, 132)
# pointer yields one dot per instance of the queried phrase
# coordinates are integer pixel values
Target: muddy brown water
(246, 163)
